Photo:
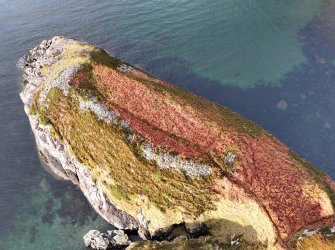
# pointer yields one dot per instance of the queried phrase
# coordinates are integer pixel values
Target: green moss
(100, 56)
(44, 120)
(95, 176)
(167, 196)
(158, 175)
(52, 93)
(119, 193)
(55, 134)
(232, 119)
(315, 173)
(88, 86)
(326, 230)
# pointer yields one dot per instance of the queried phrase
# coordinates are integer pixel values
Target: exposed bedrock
(148, 155)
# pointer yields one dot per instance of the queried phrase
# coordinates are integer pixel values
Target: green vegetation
(243, 125)
(104, 148)
(158, 175)
(53, 93)
(44, 120)
(315, 173)
(118, 193)
(100, 56)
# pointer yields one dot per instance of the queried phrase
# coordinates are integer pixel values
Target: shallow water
(272, 61)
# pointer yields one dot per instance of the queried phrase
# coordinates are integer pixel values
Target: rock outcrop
(113, 239)
(148, 155)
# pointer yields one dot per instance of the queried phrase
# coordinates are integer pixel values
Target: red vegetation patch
(160, 138)
(268, 172)
(78, 78)
(196, 128)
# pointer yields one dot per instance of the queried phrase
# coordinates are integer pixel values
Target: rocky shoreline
(196, 166)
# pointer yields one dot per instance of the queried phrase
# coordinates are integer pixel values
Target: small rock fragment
(229, 158)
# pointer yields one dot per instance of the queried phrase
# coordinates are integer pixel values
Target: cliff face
(148, 155)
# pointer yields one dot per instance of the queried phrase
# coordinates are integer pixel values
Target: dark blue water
(272, 61)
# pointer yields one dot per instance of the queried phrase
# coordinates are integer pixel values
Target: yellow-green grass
(104, 149)
(316, 242)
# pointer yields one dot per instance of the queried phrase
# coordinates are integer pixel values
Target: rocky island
(184, 172)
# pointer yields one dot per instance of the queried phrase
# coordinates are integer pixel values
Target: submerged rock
(282, 105)
(149, 155)
(45, 186)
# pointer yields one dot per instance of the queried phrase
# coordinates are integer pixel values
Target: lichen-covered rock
(96, 240)
(149, 155)
(118, 238)
(113, 239)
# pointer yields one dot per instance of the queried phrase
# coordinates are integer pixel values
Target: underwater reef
(184, 172)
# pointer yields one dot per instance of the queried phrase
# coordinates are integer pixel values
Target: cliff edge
(149, 155)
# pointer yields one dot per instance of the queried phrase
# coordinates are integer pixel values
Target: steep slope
(149, 155)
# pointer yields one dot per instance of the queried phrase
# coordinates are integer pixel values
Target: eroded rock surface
(149, 155)
(113, 239)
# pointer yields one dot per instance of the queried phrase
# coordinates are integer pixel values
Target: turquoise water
(241, 42)
(250, 55)
(51, 220)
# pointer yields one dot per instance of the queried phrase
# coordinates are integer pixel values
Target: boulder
(113, 239)
(96, 240)
(118, 238)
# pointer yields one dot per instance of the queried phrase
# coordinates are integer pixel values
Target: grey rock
(101, 241)
(96, 240)
(124, 68)
(118, 238)
(229, 158)
(143, 229)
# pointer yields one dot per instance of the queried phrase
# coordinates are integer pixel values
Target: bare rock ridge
(149, 155)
